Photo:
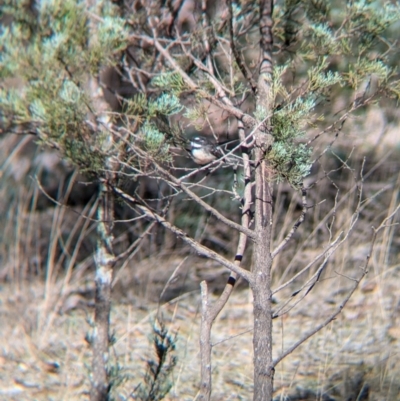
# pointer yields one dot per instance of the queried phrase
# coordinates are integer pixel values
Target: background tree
(262, 75)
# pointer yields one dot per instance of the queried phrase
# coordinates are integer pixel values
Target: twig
(210, 313)
(204, 204)
(346, 299)
(228, 107)
(201, 249)
(171, 279)
(135, 244)
(295, 226)
(239, 60)
(135, 247)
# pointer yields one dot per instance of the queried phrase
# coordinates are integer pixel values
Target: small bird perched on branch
(204, 151)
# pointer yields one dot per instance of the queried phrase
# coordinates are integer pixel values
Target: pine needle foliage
(336, 44)
(48, 47)
(172, 82)
(157, 382)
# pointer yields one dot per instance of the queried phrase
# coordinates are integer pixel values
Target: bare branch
(171, 278)
(321, 326)
(225, 104)
(178, 183)
(346, 299)
(133, 249)
(338, 204)
(210, 313)
(205, 205)
(200, 249)
(295, 226)
(322, 254)
(238, 58)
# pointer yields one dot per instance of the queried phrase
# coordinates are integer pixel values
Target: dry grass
(45, 355)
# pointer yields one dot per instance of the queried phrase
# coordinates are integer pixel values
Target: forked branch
(210, 312)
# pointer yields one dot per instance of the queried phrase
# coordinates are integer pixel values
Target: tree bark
(104, 268)
(262, 262)
(205, 345)
(261, 286)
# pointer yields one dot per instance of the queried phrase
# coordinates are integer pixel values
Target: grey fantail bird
(204, 151)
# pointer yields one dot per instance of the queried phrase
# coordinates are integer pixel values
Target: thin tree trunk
(104, 270)
(261, 283)
(104, 258)
(205, 345)
(261, 287)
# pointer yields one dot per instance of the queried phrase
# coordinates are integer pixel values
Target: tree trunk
(205, 345)
(261, 285)
(104, 268)
(262, 262)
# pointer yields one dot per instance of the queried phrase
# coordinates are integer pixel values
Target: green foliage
(155, 133)
(278, 89)
(319, 78)
(117, 376)
(291, 161)
(111, 38)
(318, 11)
(56, 47)
(141, 108)
(369, 20)
(290, 158)
(60, 48)
(261, 113)
(197, 114)
(166, 104)
(157, 382)
(322, 41)
(135, 108)
(50, 50)
(365, 69)
(288, 121)
(350, 30)
(335, 44)
(172, 82)
(154, 143)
